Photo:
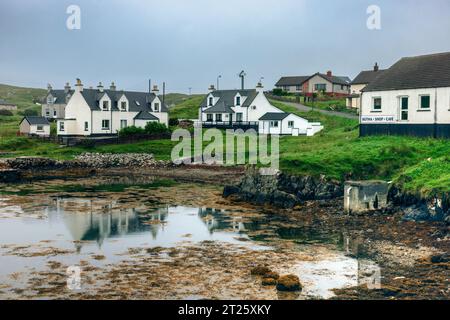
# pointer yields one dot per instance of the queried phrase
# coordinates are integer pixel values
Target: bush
(173, 122)
(156, 128)
(277, 92)
(30, 112)
(129, 131)
(5, 113)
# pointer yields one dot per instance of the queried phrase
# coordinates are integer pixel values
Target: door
(404, 104)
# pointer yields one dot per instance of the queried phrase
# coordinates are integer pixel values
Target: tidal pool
(40, 233)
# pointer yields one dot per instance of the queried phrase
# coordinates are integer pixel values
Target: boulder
(269, 282)
(260, 270)
(289, 282)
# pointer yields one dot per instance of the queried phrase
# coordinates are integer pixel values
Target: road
(304, 108)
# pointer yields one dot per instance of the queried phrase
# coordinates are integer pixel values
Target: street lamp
(218, 81)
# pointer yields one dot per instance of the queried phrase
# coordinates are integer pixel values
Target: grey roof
(342, 80)
(144, 115)
(219, 107)
(429, 71)
(227, 97)
(4, 102)
(366, 77)
(274, 116)
(138, 101)
(36, 120)
(291, 81)
(60, 96)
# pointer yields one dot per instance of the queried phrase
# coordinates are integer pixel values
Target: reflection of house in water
(94, 223)
(215, 219)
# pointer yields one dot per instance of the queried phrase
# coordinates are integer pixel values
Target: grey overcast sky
(187, 43)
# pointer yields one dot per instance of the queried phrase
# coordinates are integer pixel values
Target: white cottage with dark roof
(410, 98)
(34, 126)
(103, 112)
(250, 109)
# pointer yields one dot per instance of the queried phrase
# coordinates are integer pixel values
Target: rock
(439, 258)
(230, 190)
(269, 282)
(289, 282)
(10, 175)
(272, 275)
(260, 271)
(416, 213)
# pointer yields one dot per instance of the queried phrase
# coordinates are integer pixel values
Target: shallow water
(103, 231)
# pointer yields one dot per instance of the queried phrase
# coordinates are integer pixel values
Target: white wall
(391, 106)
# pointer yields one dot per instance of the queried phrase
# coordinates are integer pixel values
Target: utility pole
(164, 92)
(190, 90)
(242, 76)
(149, 85)
(217, 88)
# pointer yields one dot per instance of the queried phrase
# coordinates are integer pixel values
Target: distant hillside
(173, 99)
(187, 109)
(24, 98)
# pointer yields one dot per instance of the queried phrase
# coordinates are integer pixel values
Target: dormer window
(105, 105)
(123, 106)
(238, 101)
(210, 103)
(49, 100)
(156, 107)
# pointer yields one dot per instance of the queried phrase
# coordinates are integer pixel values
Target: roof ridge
(427, 55)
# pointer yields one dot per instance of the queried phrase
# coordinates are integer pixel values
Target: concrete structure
(102, 112)
(410, 98)
(54, 105)
(361, 196)
(38, 126)
(250, 109)
(5, 105)
(359, 83)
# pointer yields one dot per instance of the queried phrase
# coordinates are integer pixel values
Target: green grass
(187, 109)
(24, 98)
(333, 105)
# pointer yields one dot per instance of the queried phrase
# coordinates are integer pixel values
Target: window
(49, 100)
(298, 88)
(404, 104)
(105, 105)
(290, 124)
(123, 105)
(320, 87)
(61, 126)
(210, 103)
(239, 116)
(209, 117)
(123, 124)
(238, 101)
(86, 126)
(156, 107)
(40, 128)
(219, 117)
(376, 104)
(274, 124)
(105, 124)
(54, 113)
(425, 102)
(47, 112)
(285, 88)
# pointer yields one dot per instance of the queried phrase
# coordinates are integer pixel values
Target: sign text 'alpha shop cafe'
(377, 119)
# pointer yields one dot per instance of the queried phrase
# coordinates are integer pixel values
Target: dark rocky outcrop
(10, 175)
(282, 190)
(289, 282)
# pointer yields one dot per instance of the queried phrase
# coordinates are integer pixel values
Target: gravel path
(304, 108)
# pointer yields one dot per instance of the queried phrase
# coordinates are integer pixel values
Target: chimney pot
(211, 88)
(329, 73)
(155, 89)
(79, 85)
(375, 67)
(100, 86)
(112, 87)
(67, 87)
(49, 87)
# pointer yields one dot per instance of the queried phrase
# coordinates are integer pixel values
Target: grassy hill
(187, 109)
(24, 98)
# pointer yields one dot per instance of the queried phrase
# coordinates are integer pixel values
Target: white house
(359, 83)
(250, 109)
(101, 112)
(4, 105)
(54, 105)
(38, 126)
(410, 98)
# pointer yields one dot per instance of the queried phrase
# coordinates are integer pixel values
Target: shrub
(173, 122)
(156, 128)
(129, 131)
(277, 92)
(30, 112)
(6, 113)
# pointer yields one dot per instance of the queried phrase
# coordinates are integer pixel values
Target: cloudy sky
(188, 43)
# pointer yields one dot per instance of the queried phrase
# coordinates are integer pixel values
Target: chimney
(100, 86)
(49, 87)
(155, 90)
(112, 87)
(375, 67)
(329, 73)
(67, 88)
(78, 86)
(211, 88)
(259, 87)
